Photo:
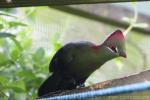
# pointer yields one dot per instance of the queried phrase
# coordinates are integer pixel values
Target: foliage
(21, 68)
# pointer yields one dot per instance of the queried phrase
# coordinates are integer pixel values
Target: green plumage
(75, 62)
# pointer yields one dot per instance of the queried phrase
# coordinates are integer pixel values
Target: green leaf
(26, 73)
(55, 41)
(17, 43)
(21, 96)
(15, 54)
(39, 55)
(57, 46)
(20, 84)
(3, 58)
(5, 14)
(4, 35)
(3, 21)
(55, 37)
(1, 26)
(16, 24)
(3, 80)
(12, 37)
(3, 96)
(17, 86)
(27, 43)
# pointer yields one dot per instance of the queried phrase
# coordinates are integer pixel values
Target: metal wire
(104, 92)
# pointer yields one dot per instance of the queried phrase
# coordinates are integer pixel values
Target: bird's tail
(55, 83)
(50, 85)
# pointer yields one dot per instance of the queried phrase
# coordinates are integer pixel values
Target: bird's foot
(81, 86)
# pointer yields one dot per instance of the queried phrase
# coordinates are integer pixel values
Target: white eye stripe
(117, 50)
(114, 51)
(110, 49)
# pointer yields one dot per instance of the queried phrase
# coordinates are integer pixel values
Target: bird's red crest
(117, 35)
(115, 39)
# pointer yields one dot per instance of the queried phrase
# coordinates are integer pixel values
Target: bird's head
(115, 44)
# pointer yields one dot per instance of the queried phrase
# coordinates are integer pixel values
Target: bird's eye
(113, 49)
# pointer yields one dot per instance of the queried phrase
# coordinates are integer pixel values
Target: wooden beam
(136, 78)
(108, 14)
(25, 3)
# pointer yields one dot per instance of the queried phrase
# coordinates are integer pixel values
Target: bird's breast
(84, 64)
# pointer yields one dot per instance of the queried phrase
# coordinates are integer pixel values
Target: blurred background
(30, 36)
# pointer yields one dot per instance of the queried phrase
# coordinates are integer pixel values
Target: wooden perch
(136, 78)
(25, 3)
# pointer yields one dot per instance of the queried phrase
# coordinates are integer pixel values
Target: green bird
(75, 62)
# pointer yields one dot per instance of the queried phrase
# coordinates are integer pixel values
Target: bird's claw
(81, 86)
